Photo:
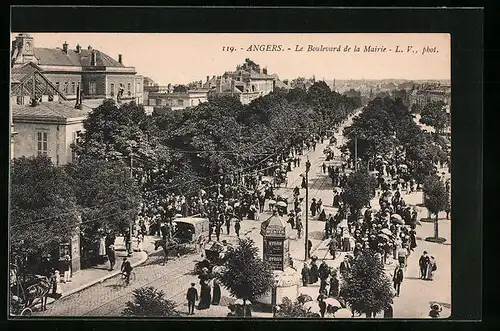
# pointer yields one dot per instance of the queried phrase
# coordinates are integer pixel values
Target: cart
(19, 305)
(213, 258)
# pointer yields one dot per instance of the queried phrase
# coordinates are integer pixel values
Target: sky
(183, 58)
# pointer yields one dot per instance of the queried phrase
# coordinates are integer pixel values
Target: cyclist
(126, 269)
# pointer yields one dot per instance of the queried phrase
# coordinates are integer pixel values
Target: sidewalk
(88, 277)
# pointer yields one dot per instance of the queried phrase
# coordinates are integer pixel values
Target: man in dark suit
(423, 262)
(345, 267)
(192, 297)
(397, 279)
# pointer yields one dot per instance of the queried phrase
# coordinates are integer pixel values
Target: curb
(100, 280)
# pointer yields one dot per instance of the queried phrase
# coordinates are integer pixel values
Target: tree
(435, 200)
(245, 275)
(150, 302)
(415, 108)
(359, 190)
(109, 197)
(44, 211)
(434, 114)
(368, 289)
(289, 309)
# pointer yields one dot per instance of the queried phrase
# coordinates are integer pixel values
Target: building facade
(98, 75)
(177, 100)
(421, 97)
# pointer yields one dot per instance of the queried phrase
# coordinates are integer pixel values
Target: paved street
(108, 299)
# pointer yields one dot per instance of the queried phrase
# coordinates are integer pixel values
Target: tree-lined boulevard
(378, 176)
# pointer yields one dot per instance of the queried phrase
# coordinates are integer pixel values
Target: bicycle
(122, 280)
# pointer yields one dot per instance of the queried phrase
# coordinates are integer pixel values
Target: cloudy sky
(181, 58)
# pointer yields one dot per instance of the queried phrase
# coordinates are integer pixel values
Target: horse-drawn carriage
(188, 230)
(27, 293)
(214, 257)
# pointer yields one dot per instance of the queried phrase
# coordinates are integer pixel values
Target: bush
(289, 309)
(150, 302)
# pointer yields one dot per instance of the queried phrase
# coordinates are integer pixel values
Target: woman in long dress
(216, 293)
(313, 279)
(205, 296)
(430, 268)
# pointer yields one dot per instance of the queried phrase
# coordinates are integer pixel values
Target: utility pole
(130, 250)
(306, 254)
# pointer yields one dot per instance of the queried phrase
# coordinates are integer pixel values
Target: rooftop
(49, 110)
(57, 57)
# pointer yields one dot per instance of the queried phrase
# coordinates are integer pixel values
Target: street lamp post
(306, 254)
(131, 227)
(355, 152)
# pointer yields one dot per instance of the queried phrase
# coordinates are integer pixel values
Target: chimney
(120, 58)
(78, 48)
(93, 58)
(78, 104)
(208, 78)
(65, 47)
(264, 71)
(89, 48)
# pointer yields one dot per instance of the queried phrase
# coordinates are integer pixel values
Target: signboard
(75, 252)
(276, 261)
(275, 247)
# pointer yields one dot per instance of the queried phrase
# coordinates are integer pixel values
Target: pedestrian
(319, 204)
(217, 231)
(56, 287)
(435, 310)
(398, 279)
(334, 284)
(431, 267)
(67, 268)
(402, 255)
(389, 312)
(237, 227)
(305, 273)
(205, 296)
(332, 246)
(345, 267)
(423, 262)
(298, 225)
(309, 247)
(111, 257)
(323, 274)
(324, 167)
(228, 224)
(216, 293)
(314, 274)
(397, 245)
(322, 304)
(191, 297)
(313, 207)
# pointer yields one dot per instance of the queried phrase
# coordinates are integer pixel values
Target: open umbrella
(312, 307)
(404, 166)
(237, 204)
(333, 302)
(343, 224)
(383, 236)
(397, 221)
(272, 202)
(343, 313)
(282, 204)
(387, 232)
(396, 217)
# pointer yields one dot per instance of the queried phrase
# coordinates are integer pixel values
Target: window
(92, 87)
(57, 86)
(51, 98)
(73, 88)
(128, 89)
(65, 87)
(158, 102)
(76, 141)
(20, 100)
(112, 89)
(180, 102)
(41, 143)
(138, 86)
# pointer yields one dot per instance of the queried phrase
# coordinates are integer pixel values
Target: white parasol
(272, 202)
(333, 302)
(387, 232)
(282, 204)
(240, 302)
(343, 224)
(343, 313)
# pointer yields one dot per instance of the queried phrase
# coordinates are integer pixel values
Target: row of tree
(124, 152)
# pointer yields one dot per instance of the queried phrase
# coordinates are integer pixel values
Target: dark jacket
(192, 294)
(345, 267)
(398, 275)
(126, 267)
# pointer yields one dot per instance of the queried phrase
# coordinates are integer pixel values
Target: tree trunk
(244, 308)
(436, 227)
(368, 314)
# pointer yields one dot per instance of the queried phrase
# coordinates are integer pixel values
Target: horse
(39, 291)
(167, 245)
